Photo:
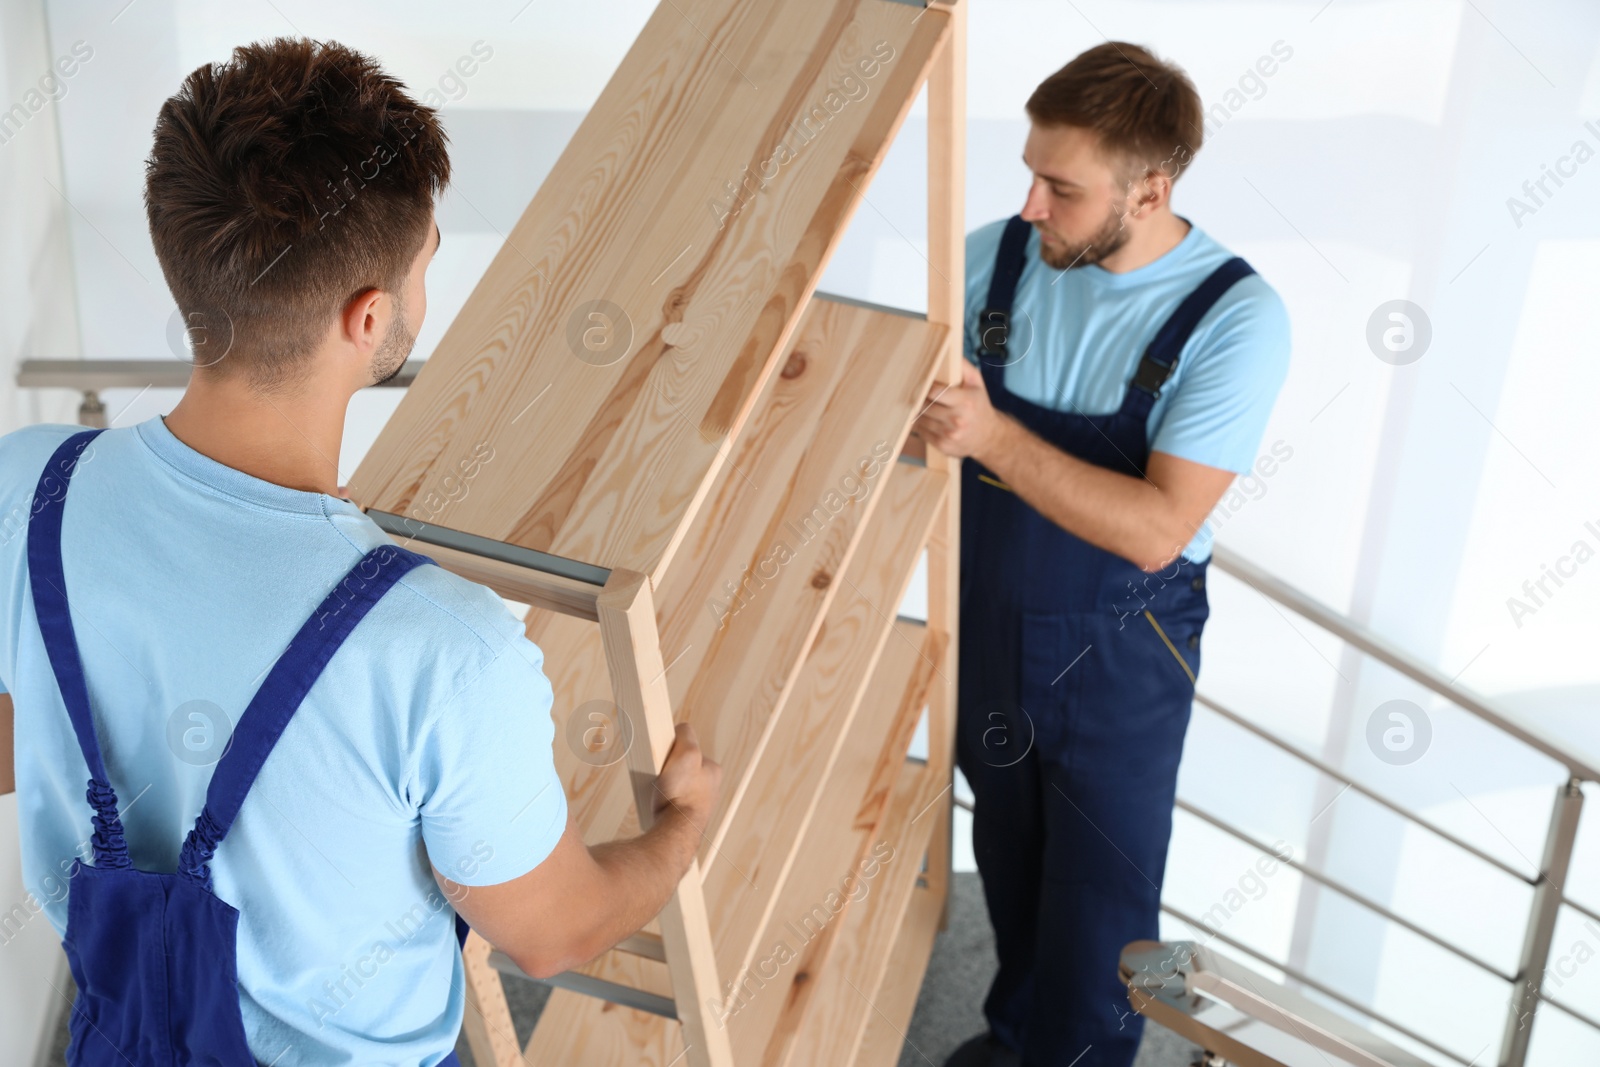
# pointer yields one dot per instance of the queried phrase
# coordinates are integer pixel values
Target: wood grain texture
(780, 526)
(853, 379)
(487, 1021)
(576, 1030)
(842, 832)
(700, 200)
(808, 516)
(663, 396)
(841, 998)
(627, 617)
(947, 149)
(802, 755)
(850, 838)
(896, 999)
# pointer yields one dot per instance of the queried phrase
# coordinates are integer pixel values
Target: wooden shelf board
(836, 856)
(802, 758)
(896, 998)
(597, 1033)
(830, 1020)
(576, 1030)
(805, 477)
(607, 462)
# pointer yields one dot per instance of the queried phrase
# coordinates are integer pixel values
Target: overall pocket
(1128, 694)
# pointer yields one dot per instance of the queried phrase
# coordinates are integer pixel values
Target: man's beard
(390, 358)
(1112, 236)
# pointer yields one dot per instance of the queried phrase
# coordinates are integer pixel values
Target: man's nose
(1035, 208)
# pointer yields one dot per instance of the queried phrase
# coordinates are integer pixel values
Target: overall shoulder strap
(281, 694)
(1161, 355)
(994, 321)
(48, 580)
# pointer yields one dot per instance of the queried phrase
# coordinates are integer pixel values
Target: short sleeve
(492, 806)
(1224, 396)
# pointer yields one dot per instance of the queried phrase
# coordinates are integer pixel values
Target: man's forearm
(1118, 512)
(641, 874)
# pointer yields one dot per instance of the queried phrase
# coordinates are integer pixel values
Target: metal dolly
(1250, 1020)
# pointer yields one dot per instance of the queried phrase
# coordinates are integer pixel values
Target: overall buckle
(1151, 376)
(994, 326)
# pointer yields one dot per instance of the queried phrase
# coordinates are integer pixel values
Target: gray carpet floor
(948, 1009)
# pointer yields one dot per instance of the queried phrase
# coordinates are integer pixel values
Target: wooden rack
(690, 447)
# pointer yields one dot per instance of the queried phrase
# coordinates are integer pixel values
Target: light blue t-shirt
(427, 737)
(1077, 337)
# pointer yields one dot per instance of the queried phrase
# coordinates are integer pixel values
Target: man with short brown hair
(1125, 367)
(306, 749)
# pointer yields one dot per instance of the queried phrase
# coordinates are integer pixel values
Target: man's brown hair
(1146, 111)
(281, 184)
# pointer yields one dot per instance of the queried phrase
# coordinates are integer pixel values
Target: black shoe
(985, 1050)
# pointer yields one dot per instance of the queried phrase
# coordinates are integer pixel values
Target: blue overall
(153, 955)
(1077, 674)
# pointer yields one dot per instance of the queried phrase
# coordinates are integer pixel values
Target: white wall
(1374, 164)
(38, 302)
(38, 319)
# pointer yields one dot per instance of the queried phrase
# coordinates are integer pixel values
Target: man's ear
(1151, 191)
(359, 321)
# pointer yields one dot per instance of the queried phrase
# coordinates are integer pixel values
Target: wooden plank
(596, 1033)
(833, 1017)
(944, 591)
(801, 757)
(947, 153)
(752, 656)
(584, 1032)
(580, 1031)
(633, 655)
(834, 675)
(487, 1021)
(619, 338)
(780, 526)
(767, 1001)
(896, 998)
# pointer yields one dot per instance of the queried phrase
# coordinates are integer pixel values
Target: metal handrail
(1354, 633)
(1548, 884)
(1346, 891)
(1303, 978)
(1587, 913)
(1328, 769)
(1582, 1017)
(1308, 981)
(93, 375)
(90, 376)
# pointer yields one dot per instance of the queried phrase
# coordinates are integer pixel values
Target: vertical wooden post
(487, 1023)
(638, 680)
(947, 147)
